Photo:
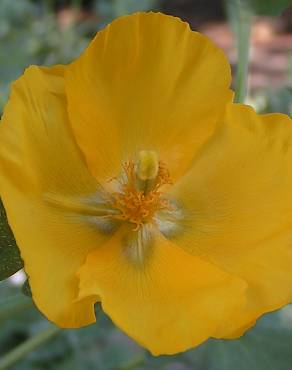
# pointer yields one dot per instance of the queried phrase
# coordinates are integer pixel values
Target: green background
(30, 34)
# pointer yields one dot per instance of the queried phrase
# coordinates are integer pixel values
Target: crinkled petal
(45, 186)
(237, 206)
(171, 302)
(146, 82)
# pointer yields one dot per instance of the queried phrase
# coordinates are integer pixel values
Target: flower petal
(43, 181)
(146, 82)
(237, 204)
(172, 302)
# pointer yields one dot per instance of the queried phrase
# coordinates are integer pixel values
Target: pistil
(140, 197)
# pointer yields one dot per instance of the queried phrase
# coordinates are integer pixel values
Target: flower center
(140, 195)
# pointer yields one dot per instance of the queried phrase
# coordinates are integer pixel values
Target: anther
(140, 197)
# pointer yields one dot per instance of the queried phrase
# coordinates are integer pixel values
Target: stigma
(140, 196)
(148, 165)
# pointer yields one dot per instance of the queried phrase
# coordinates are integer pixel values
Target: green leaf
(10, 260)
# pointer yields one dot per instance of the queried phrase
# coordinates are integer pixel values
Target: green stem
(14, 305)
(17, 354)
(244, 22)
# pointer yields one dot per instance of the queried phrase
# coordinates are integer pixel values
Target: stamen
(137, 199)
(140, 196)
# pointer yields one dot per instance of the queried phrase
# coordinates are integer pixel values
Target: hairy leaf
(10, 260)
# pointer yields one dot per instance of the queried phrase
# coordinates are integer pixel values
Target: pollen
(141, 196)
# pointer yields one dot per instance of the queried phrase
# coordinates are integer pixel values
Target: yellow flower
(130, 178)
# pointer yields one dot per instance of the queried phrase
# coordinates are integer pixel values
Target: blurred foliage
(272, 100)
(116, 8)
(26, 290)
(269, 7)
(30, 33)
(263, 7)
(268, 346)
(278, 100)
(31, 36)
